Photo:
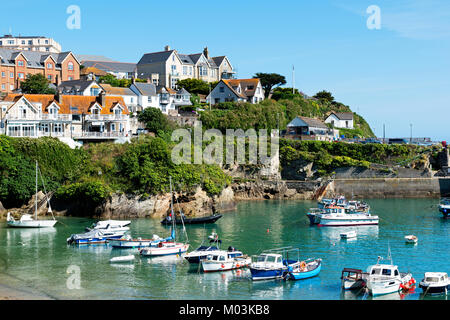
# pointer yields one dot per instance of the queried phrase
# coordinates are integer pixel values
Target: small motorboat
(200, 253)
(110, 225)
(435, 283)
(348, 235)
(444, 207)
(129, 243)
(225, 260)
(305, 269)
(353, 279)
(386, 278)
(94, 237)
(122, 259)
(270, 264)
(411, 239)
(164, 249)
(200, 220)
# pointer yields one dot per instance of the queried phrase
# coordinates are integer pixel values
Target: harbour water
(41, 259)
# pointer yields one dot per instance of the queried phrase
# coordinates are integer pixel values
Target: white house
(304, 128)
(80, 88)
(249, 90)
(340, 120)
(131, 98)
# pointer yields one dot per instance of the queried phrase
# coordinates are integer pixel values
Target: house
(340, 120)
(80, 88)
(129, 97)
(66, 116)
(30, 43)
(249, 90)
(161, 97)
(121, 70)
(304, 128)
(92, 73)
(16, 65)
(169, 66)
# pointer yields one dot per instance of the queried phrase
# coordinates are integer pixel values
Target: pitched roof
(145, 89)
(155, 57)
(343, 115)
(94, 70)
(185, 58)
(75, 85)
(248, 86)
(119, 91)
(35, 59)
(218, 60)
(310, 122)
(71, 104)
(111, 66)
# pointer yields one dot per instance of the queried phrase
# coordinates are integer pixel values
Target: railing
(106, 117)
(60, 117)
(100, 135)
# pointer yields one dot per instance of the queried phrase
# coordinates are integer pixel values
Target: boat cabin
(270, 258)
(436, 277)
(383, 270)
(220, 257)
(335, 210)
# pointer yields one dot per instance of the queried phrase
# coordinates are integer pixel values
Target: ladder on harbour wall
(322, 190)
(41, 202)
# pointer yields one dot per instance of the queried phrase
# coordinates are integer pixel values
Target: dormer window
(20, 63)
(49, 66)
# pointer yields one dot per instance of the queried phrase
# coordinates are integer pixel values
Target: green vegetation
(270, 80)
(114, 82)
(196, 86)
(36, 84)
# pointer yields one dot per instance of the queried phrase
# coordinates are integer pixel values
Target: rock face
(278, 190)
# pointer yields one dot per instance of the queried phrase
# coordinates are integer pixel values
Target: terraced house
(16, 65)
(71, 116)
(166, 67)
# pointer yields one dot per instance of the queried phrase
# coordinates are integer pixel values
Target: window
(217, 100)
(70, 66)
(11, 87)
(163, 108)
(10, 41)
(95, 91)
(20, 63)
(113, 127)
(185, 70)
(11, 75)
(3, 74)
(376, 271)
(70, 78)
(174, 70)
(23, 112)
(386, 272)
(49, 77)
(47, 49)
(149, 99)
(46, 41)
(23, 41)
(21, 75)
(49, 66)
(57, 127)
(3, 87)
(30, 41)
(222, 89)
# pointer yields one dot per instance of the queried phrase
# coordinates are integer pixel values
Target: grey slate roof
(185, 58)
(111, 66)
(310, 122)
(155, 57)
(74, 86)
(183, 91)
(344, 115)
(145, 89)
(218, 60)
(35, 59)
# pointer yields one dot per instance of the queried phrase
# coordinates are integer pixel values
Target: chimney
(59, 95)
(167, 48)
(102, 96)
(58, 80)
(206, 52)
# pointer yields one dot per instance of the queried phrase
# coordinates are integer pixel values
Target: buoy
(268, 230)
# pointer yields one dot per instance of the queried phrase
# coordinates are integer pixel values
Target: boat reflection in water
(169, 260)
(24, 236)
(363, 232)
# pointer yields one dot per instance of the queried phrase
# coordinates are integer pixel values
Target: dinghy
(411, 239)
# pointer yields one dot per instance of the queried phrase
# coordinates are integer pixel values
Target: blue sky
(397, 75)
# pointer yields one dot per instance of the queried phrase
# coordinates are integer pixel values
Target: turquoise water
(41, 258)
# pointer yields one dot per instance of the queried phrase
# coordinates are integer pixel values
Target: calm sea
(42, 259)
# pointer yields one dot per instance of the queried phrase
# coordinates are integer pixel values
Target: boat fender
(303, 265)
(237, 266)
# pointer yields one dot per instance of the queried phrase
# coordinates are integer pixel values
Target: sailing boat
(27, 221)
(165, 248)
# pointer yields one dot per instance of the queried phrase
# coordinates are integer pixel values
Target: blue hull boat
(260, 274)
(305, 269)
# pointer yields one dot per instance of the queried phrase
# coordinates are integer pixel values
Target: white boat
(111, 225)
(336, 216)
(444, 207)
(411, 239)
(224, 260)
(168, 247)
(386, 278)
(127, 242)
(95, 236)
(122, 259)
(352, 279)
(201, 253)
(435, 283)
(26, 220)
(348, 235)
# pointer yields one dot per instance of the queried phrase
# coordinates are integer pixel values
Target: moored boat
(94, 237)
(110, 225)
(444, 207)
(352, 279)
(224, 261)
(199, 220)
(435, 283)
(336, 216)
(304, 269)
(127, 242)
(270, 264)
(411, 239)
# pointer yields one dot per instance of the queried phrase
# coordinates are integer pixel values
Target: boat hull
(165, 250)
(130, 244)
(201, 220)
(100, 240)
(266, 274)
(434, 290)
(214, 266)
(32, 224)
(343, 222)
(386, 286)
(445, 211)
(305, 274)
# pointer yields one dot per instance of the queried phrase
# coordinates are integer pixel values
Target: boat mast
(35, 195)
(171, 209)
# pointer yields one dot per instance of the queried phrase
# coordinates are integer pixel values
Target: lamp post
(410, 139)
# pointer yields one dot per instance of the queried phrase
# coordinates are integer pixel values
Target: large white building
(31, 43)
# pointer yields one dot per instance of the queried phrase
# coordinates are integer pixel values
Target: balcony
(56, 117)
(100, 135)
(106, 117)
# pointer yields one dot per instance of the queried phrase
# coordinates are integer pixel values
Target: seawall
(391, 187)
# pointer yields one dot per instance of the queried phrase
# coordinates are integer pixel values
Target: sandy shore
(13, 289)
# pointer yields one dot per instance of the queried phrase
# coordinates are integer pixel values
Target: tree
(154, 120)
(195, 86)
(269, 80)
(36, 84)
(324, 95)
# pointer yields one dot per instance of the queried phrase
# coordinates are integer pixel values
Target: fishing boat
(201, 253)
(313, 215)
(304, 269)
(224, 261)
(122, 259)
(411, 239)
(270, 264)
(435, 283)
(444, 207)
(336, 216)
(352, 279)
(348, 235)
(339, 200)
(26, 220)
(386, 278)
(199, 220)
(172, 247)
(127, 242)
